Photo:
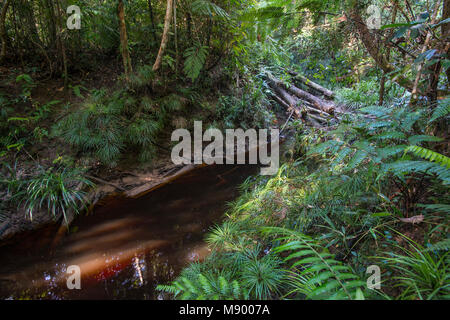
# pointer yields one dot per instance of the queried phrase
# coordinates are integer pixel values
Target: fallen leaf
(413, 220)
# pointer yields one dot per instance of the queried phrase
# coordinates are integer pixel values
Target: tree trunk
(414, 93)
(28, 20)
(165, 36)
(445, 30)
(152, 18)
(3, 35)
(315, 101)
(189, 26)
(388, 56)
(175, 35)
(51, 24)
(61, 45)
(124, 41)
(371, 42)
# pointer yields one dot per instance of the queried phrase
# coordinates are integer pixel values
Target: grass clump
(55, 190)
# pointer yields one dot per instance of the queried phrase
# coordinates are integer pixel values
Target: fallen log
(298, 109)
(283, 95)
(283, 90)
(318, 103)
(320, 119)
(326, 92)
(281, 101)
(309, 107)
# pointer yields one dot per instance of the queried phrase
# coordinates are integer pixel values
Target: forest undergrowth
(364, 184)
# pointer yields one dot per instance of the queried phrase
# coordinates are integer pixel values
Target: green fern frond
(204, 287)
(441, 111)
(208, 8)
(430, 155)
(377, 111)
(195, 60)
(321, 275)
(439, 246)
(415, 140)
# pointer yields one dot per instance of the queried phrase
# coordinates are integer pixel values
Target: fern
(320, 275)
(414, 140)
(404, 167)
(441, 111)
(208, 8)
(205, 287)
(430, 155)
(195, 60)
(439, 246)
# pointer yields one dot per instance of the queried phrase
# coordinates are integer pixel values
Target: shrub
(108, 126)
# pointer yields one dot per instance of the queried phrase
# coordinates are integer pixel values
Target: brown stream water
(125, 247)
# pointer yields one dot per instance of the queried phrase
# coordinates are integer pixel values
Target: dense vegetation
(366, 185)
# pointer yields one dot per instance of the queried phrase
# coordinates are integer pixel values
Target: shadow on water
(126, 247)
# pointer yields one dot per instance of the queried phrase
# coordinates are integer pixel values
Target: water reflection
(126, 247)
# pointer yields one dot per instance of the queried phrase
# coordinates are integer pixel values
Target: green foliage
(338, 193)
(108, 126)
(420, 273)
(208, 8)
(361, 94)
(55, 190)
(236, 275)
(249, 110)
(380, 140)
(23, 127)
(27, 84)
(441, 111)
(316, 273)
(142, 77)
(195, 60)
(201, 287)
(429, 155)
(262, 277)
(439, 246)
(224, 236)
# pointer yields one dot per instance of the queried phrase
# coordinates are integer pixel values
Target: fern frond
(439, 246)
(321, 276)
(441, 111)
(208, 8)
(204, 287)
(195, 60)
(429, 155)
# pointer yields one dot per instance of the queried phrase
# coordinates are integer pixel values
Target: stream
(125, 247)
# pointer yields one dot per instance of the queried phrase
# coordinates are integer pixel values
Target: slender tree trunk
(124, 40)
(388, 56)
(152, 18)
(189, 26)
(175, 35)
(52, 23)
(28, 20)
(208, 36)
(414, 92)
(61, 44)
(371, 42)
(3, 35)
(165, 36)
(445, 30)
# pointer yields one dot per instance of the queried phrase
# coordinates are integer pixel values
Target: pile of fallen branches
(314, 106)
